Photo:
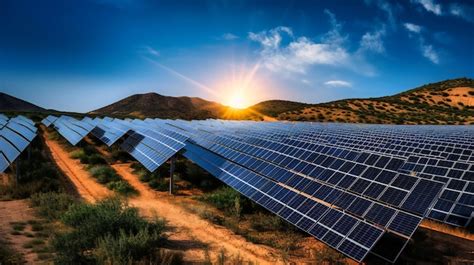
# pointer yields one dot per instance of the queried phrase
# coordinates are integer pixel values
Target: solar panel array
(49, 120)
(358, 188)
(15, 136)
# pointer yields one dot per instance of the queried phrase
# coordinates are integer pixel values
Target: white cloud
(334, 36)
(338, 83)
(305, 81)
(430, 53)
(372, 41)
(412, 27)
(298, 54)
(229, 36)
(282, 51)
(388, 8)
(151, 51)
(463, 11)
(427, 50)
(430, 6)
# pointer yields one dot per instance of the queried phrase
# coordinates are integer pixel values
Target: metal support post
(172, 166)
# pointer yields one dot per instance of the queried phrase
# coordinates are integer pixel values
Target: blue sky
(81, 55)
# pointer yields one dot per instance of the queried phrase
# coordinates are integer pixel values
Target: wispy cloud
(229, 36)
(372, 41)
(305, 81)
(299, 54)
(430, 53)
(388, 8)
(463, 11)
(338, 83)
(151, 51)
(282, 51)
(430, 6)
(334, 36)
(412, 27)
(427, 50)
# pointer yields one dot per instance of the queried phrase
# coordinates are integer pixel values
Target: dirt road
(17, 211)
(86, 186)
(195, 236)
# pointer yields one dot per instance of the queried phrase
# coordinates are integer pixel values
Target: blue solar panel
(23, 131)
(388, 175)
(3, 163)
(10, 152)
(18, 141)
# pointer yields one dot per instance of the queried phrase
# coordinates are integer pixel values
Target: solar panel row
(354, 187)
(15, 136)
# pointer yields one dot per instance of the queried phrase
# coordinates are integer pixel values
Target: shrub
(229, 200)
(104, 174)
(326, 255)
(266, 222)
(106, 224)
(159, 184)
(96, 159)
(78, 154)
(118, 154)
(122, 187)
(51, 205)
(127, 246)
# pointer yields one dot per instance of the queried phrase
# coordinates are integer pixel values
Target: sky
(82, 55)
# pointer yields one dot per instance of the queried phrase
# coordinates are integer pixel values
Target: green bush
(108, 223)
(52, 205)
(78, 154)
(96, 159)
(122, 187)
(159, 184)
(229, 200)
(127, 246)
(37, 174)
(266, 222)
(119, 155)
(104, 174)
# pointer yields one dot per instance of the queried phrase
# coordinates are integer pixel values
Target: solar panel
(3, 163)
(24, 122)
(353, 187)
(18, 141)
(10, 152)
(49, 120)
(71, 129)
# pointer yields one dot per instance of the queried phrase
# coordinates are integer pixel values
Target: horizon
(82, 56)
(190, 96)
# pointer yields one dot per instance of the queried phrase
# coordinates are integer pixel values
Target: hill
(153, 105)
(10, 103)
(446, 102)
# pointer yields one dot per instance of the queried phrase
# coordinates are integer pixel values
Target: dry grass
(447, 229)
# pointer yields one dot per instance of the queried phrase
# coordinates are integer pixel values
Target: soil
(85, 184)
(191, 234)
(17, 211)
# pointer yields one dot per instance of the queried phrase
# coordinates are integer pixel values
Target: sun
(238, 101)
(239, 86)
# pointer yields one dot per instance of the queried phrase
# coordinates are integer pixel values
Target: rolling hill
(154, 105)
(446, 102)
(10, 103)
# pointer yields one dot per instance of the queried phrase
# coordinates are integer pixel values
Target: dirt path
(190, 227)
(17, 211)
(86, 186)
(190, 233)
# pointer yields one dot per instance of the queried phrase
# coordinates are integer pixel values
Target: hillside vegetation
(447, 102)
